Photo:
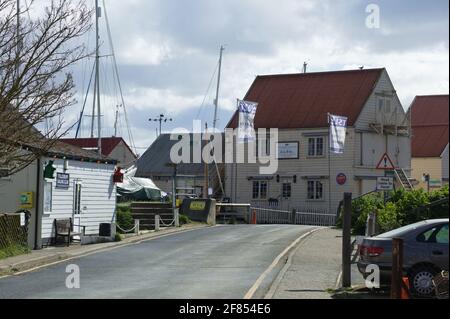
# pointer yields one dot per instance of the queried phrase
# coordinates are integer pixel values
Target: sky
(167, 52)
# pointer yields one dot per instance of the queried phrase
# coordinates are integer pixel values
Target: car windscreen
(399, 232)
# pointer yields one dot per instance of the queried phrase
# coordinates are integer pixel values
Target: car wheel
(421, 281)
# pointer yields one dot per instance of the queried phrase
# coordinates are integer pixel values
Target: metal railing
(304, 216)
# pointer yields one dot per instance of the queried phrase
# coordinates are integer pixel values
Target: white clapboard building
(66, 182)
(308, 178)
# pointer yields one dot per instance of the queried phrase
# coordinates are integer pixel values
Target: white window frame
(259, 190)
(315, 189)
(315, 143)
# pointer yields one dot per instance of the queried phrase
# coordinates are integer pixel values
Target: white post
(156, 222)
(136, 226)
(176, 215)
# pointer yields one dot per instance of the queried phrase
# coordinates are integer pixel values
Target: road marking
(98, 251)
(263, 276)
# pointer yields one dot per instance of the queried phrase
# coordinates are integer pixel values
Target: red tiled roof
(303, 100)
(429, 121)
(108, 143)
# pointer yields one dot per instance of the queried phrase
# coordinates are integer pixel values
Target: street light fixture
(161, 118)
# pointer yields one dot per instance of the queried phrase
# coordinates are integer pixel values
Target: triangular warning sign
(385, 163)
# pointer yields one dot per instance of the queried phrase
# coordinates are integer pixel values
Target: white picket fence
(309, 216)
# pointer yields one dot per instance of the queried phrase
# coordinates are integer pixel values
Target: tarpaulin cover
(140, 189)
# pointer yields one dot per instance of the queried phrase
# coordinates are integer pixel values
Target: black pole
(346, 241)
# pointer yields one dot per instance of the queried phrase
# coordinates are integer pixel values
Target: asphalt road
(217, 262)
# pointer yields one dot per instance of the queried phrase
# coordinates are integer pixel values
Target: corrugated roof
(303, 100)
(155, 159)
(108, 143)
(430, 123)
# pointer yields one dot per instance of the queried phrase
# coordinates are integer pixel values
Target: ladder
(403, 179)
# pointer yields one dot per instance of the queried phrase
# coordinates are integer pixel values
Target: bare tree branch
(36, 84)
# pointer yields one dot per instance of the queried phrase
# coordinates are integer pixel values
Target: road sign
(385, 163)
(385, 183)
(341, 179)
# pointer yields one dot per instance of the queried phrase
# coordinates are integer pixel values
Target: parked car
(425, 253)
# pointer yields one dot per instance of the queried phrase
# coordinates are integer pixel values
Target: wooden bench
(64, 228)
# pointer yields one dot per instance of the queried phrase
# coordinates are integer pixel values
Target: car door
(439, 247)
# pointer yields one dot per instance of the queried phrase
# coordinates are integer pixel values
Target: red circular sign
(341, 179)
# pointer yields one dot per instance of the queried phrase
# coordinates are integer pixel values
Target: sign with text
(385, 183)
(62, 180)
(198, 205)
(287, 150)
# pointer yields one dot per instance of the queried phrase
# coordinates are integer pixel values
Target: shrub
(402, 208)
(123, 217)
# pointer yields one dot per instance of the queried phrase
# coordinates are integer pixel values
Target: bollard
(254, 217)
(136, 226)
(397, 268)
(346, 241)
(293, 215)
(156, 222)
(176, 216)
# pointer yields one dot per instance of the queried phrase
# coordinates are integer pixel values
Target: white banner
(246, 130)
(338, 125)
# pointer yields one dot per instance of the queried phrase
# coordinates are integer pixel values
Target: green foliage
(118, 237)
(123, 217)
(388, 218)
(184, 219)
(402, 208)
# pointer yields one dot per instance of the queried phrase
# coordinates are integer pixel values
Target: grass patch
(183, 219)
(13, 250)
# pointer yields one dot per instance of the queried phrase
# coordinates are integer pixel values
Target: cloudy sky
(167, 52)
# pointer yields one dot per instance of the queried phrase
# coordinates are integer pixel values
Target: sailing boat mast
(96, 99)
(216, 101)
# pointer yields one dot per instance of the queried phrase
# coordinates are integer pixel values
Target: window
(255, 191)
(435, 235)
(315, 190)
(286, 190)
(442, 235)
(48, 197)
(315, 146)
(384, 105)
(263, 190)
(259, 190)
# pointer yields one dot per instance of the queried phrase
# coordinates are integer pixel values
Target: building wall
(239, 188)
(364, 148)
(122, 154)
(10, 189)
(183, 183)
(98, 196)
(370, 145)
(445, 164)
(426, 165)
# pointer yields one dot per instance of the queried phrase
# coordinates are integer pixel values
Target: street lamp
(161, 118)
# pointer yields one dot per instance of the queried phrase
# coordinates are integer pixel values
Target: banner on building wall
(338, 126)
(246, 129)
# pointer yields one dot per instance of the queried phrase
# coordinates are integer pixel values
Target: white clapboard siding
(303, 167)
(98, 196)
(368, 113)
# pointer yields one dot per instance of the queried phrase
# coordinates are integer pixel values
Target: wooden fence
(146, 212)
